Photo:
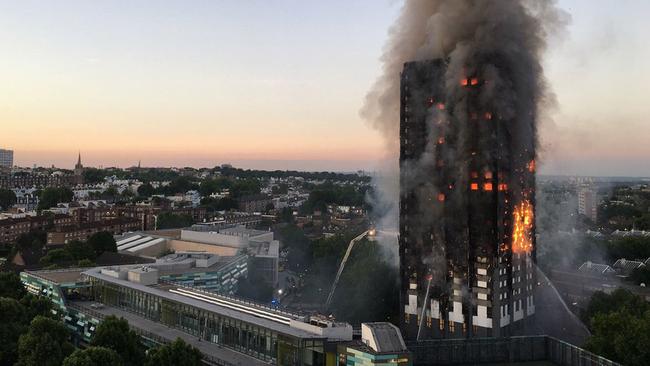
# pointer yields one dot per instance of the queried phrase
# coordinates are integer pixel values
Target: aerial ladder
(371, 233)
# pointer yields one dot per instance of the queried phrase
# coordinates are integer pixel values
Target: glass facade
(224, 281)
(259, 342)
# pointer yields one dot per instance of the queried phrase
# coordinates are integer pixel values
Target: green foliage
(93, 175)
(228, 171)
(101, 242)
(629, 247)
(281, 188)
(326, 194)
(7, 198)
(44, 344)
(219, 204)
(620, 327)
(85, 263)
(168, 220)
(286, 215)
(146, 190)
(60, 257)
(52, 196)
(11, 286)
(210, 186)
(177, 353)
(245, 187)
(11, 318)
(34, 240)
(94, 356)
(620, 299)
(36, 306)
(621, 336)
(369, 287)
(177, 185)
(115, 334)
(78, 250)
(330, 251)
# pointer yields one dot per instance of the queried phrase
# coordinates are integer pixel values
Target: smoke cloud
(502, 41)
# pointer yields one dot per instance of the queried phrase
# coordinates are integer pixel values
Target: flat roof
(208, 306)
(221, 263)
(60, 276)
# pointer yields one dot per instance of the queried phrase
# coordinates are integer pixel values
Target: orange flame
(522, 231)
(531, 166)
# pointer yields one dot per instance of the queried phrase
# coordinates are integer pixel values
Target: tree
(86, 263)
(621, 336)
(360, 296)
(102, 242)
(13, 325)
(44, 344)
(110, 193)
(36, 306)
(7, 198)
(115, 334)
(56, 256)
(52, 196)
(177, 353)
(145, 190)
(94, 175)
(620, 299)
(11, 286)
(79, 250)
(286, 215)
(94, 356)
(34, 240)
(210, 186)
(281, 188)
(168, 220)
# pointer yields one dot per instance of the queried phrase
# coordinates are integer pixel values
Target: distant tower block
(467, 243)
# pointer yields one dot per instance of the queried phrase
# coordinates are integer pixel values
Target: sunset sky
(278, 84)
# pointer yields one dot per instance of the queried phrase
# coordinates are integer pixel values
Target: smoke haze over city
(197, 96)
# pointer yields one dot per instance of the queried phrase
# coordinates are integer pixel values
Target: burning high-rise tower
(467, 244)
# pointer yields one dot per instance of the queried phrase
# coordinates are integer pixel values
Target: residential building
(64, 234)
(254, 203)
(34, 180)
(588, 203)
(466, 236)
(12, 229)
(6, 158)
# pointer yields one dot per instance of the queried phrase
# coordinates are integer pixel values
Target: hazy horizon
(278, 86)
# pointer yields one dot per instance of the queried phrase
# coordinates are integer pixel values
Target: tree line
(33, 335)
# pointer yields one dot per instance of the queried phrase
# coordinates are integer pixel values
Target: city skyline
(185, 87)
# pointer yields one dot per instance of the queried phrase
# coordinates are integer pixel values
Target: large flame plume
(522, 230)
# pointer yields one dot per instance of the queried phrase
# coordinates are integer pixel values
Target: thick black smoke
(502, 41)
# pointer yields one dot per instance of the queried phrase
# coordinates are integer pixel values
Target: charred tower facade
(467, 177)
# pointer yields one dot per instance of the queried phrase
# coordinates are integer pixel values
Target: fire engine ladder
(342, 266)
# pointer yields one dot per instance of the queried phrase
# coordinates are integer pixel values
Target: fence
(503, 350)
